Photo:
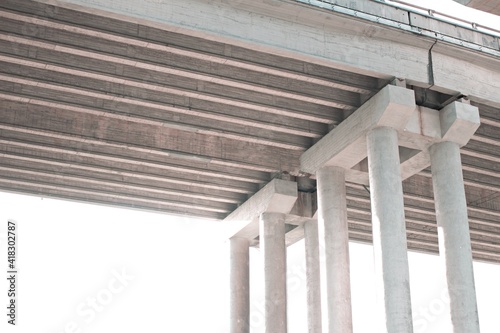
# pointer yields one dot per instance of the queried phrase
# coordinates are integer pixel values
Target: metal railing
(442, 16)
(331, 5)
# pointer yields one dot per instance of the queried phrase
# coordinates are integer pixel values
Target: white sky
(70, 253)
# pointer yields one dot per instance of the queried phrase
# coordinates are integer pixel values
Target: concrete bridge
(489, 6)
(329, 120)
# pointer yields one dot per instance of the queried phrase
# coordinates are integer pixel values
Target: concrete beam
(475, 75)
(456, 122)
(422, 130)
(278, 196)
(345, 146)
(306, 204)
(294, 235)
(418, 129)
(414, 164)
(488, 6)
(315, 34)
(115, 134)
(459, 122)
(346, 42)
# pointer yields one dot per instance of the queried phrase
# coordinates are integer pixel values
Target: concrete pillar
(240, 285)
(332, 226)
(454, 237)
(389, 230)
(272, 243)
(312, 277)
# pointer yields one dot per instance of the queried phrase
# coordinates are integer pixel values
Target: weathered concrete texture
(389, 12)
(459, 122)
(240, 285)
(312, 277)
(272, 240)
(362, 46)
(481, 69)
(315, 33)
(490, 6)
(389, 230)
(454, 238)
(333, 231)
(89, 115)
(278, 196)
(345, 146)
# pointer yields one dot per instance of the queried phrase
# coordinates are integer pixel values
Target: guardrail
(331, 5)
(442, 16)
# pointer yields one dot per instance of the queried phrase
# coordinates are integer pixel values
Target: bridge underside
(111, 111)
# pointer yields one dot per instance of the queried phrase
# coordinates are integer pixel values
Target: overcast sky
(96, 269)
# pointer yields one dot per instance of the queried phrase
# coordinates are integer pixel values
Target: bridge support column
(389, 229)
(272, 240)
(312, 277)
(240, 285)
(332, 225)
(454, 237)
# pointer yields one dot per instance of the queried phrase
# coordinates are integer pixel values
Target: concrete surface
(272, 234)
(240, 285)
(454, 238)
(389, 231)
(334, 235)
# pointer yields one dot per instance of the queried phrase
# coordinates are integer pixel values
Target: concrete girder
(418, 129)
(317, 37)
(345, 146)
(489, 6)
(167, 142)
(278, 196)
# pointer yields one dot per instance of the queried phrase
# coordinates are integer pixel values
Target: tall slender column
(454, 237)
(240, 285)
(332, 225)
(389, 229)
(312, 277)
(272, 241)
